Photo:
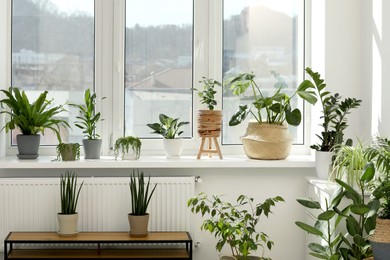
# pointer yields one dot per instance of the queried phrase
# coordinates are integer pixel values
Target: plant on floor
(207, 95)
(234, 224)
(123, 145)
(69, 193)
(277, 107)
(88, 118)
(140, 193)
(334, 111)
(32, 118)
(168, 127)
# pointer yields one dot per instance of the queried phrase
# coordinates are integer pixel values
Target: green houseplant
(334, 120)
(124, 144)
(31, 118)
(141, 194)
(69, 192)
(68, 151)
(169, 128)
(267, 136)
(235, 225)
(209, 120)
(88, 119)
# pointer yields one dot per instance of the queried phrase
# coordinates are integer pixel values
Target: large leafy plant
(236, 224)
(140, 193)
(334, 111)
(69, 193)
(207, 95)
(88, 118)
(277, 108)
(168, 127)
(31, 118)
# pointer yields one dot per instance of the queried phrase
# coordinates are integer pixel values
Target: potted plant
(122, 146)
(67, 218)
(267, 136)
(31, 119)
(140, 198)
(87, 122)
(334, 120)
(68, 151)
(235, 225)
(169, 129)
(209, 120)
(379, 154)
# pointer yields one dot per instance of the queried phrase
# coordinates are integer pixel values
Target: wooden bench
(97, 245)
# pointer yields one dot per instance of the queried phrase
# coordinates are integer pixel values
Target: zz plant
(140, 193)
(234, 224)
(69, 193)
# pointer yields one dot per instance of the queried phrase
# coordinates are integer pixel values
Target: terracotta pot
(209, 123)
(67, 224)
(138, 225)
(267, 141)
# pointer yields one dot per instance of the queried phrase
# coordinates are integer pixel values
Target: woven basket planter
(380, 241)
(209, 123)
(267, 141)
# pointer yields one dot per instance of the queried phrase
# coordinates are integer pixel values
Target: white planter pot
(67, 224)
(323, 164)
(130, 155)
(173, 147)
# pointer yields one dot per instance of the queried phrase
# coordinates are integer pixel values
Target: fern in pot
(68, 151)
(69, 193)
(141, 194)
(129, 147)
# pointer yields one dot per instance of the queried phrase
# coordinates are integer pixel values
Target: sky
(172, 11)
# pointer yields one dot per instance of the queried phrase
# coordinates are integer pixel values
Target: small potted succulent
(68, 217)
(267, 135)
(129, 147)
(169, 129)
(31, 118)
(235, 224)
(334, 120)
(141, 194)
(68, 151)
(88, 119)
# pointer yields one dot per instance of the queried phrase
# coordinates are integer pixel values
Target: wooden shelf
(98, 245)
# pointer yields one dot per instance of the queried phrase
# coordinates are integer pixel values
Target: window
(144, 56)
(265, 38)
(53, 49)
(158, 63)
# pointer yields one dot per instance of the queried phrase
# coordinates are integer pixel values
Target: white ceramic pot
(323, 164)
(67, 224)
(173, 147)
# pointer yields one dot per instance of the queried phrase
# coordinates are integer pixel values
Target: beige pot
(67, 225)
(138, 225)
(267, 141)
(209, 123)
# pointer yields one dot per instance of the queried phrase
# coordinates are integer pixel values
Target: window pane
(262, 37)
(158, 63)
(53, 49)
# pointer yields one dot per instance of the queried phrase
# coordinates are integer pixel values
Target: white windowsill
(45, 162)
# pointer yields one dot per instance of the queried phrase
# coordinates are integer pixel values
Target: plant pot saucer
(67, 235)
(27, 156)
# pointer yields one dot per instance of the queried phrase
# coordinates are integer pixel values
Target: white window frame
(109, 73)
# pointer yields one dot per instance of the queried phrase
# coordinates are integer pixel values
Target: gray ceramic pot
(28, 146)
(92, 148)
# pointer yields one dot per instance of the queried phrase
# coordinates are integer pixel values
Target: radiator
(32, 204)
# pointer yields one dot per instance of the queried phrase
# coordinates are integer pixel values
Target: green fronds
(69, 193)
(140, 193)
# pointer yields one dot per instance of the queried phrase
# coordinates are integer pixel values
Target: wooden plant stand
(210, 151)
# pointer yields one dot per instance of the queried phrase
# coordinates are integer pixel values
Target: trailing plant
(31, 118)
(359, 217)
(69, 193)
(88, 118)
(349, 162)
(334, 111)
(277, 107)
(140, 196)
(123, 144)
(69, 148)
(168, 127)
(234, 224)
(207, 95)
